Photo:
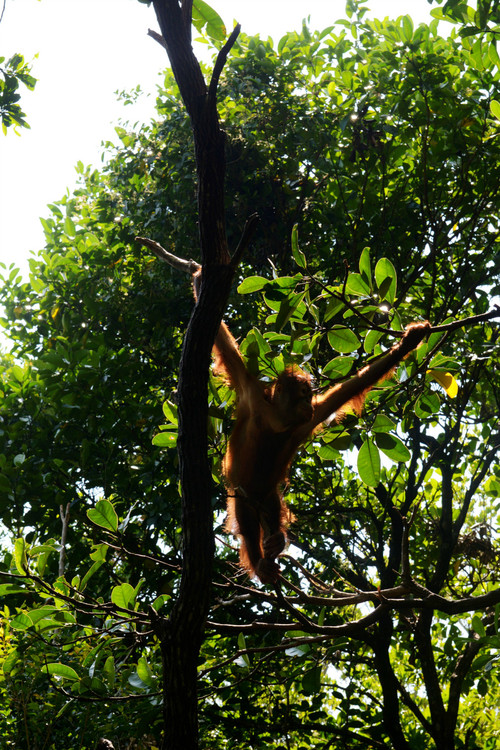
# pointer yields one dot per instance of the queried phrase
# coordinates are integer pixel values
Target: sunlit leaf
(369, 463)
(343, 340)
(205, 17)
(365, 266)
(20, 557)
(61, 670)
(446, 380)
(144, 672)
(386, 278)
(357, 285)
(104, 515)
(165, 439)
(495, 108)
(252, 284)
(392, 446)
(123, 596)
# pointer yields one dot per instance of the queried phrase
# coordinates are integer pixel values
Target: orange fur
(272, 422)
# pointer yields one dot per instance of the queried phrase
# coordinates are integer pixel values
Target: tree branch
(220, 62)
(187, 266)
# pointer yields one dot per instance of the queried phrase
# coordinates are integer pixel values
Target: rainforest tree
(370, 153)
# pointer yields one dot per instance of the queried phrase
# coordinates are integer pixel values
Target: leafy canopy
(370, 151)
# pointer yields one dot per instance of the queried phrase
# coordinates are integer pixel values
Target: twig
(247, 235)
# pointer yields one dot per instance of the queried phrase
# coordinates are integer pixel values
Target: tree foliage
(370, 151)
(13, 72)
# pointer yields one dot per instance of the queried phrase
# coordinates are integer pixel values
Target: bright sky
(87, 50)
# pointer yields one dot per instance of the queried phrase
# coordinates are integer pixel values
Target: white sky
(87, 50)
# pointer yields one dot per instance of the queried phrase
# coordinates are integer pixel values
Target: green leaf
(407, 28)
(383, 424)
(311, 681)
(69, 227)
(371, 340)
(104, 515)
(252, 284)
(365, 267)
(170, 412)
(123, 596)
(477, 626)
(19, 373)
(88, 575)
(393, 447)
(21, 622)
(357, 285)
(144, 672)
(343, 340)
(298, 255)
(333, 308)
(328, 452)
(160, 601)
(242, 646)
(99, 552)
(369, 463)
(386, 278)
(206, 17)
(10, 661)
(338, 368)
(10, 588)
(61, 670)
(109, 671)
(427, 404)
(165, 439)
(495, 108)
(20, 558)
(495, 59)
(287, 309)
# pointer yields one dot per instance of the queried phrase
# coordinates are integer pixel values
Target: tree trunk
(182, 634)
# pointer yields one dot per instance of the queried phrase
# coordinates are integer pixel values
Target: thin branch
(158, 38)
(410, 703)
(187, 266)
(445, 327)
(348, 628)
(191, 266)
(247, 235)
(304, 621)
(220, 62)
(466, 322)
(103, 699)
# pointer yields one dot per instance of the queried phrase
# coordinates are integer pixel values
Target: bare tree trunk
(182, 634)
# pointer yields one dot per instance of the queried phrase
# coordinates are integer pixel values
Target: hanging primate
(272, 421)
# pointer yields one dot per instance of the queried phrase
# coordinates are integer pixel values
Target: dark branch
(157, 37)
(220, 62)
(246, 237)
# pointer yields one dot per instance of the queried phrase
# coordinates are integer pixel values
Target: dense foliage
(371, 153)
